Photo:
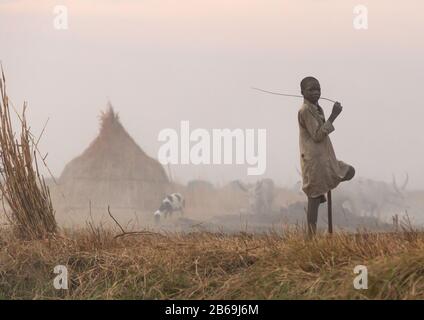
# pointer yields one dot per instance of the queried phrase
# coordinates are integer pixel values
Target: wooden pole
(330, 213)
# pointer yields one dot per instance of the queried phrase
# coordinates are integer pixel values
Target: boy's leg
(312, 215)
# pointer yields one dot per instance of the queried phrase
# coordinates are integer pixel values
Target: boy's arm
(317, 131)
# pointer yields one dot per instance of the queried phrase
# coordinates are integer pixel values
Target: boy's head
(311, 89)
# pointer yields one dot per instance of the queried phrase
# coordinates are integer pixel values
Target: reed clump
(25, 195)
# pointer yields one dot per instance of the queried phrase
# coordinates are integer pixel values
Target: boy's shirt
(321, 171)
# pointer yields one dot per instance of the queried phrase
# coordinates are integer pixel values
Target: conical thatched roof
(114, 170)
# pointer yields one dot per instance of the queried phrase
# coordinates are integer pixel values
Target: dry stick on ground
(24, 190)
(126, 233)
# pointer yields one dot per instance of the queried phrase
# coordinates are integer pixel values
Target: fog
(162, 62)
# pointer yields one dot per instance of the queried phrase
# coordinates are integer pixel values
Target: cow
(171, 203)
(260, 195)
(366, 197)
(199, 186)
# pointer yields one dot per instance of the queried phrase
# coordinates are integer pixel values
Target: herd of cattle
(359, 197)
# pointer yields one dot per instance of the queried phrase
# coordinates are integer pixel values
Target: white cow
(260, 195)
(171, 203)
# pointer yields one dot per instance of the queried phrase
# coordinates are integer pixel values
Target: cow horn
(406, 181)
(242, 187)
(395, 184)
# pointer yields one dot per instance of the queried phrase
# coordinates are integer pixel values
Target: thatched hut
(114, 171)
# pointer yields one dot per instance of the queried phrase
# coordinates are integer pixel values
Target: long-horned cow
(260, 195)
(199, 186)
(366, 197)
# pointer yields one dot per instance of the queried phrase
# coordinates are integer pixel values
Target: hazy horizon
(161, 62)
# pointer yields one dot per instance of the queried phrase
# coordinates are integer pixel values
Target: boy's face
(312, 91)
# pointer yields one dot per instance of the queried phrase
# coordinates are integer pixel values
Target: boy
(321, 171)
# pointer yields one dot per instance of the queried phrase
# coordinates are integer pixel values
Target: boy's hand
(337, 109)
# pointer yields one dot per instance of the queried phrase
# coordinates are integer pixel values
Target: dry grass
(213, 266)
(22, 187)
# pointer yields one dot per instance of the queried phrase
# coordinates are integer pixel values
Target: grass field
(278, 265)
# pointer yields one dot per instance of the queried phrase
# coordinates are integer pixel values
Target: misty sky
(163, 61)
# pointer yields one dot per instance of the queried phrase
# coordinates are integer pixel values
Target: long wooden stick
(288, 95)
(330, 213)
